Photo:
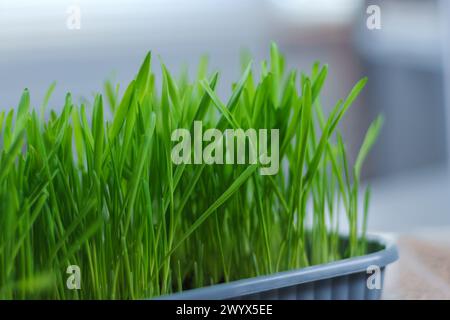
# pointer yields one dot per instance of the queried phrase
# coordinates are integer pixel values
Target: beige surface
(423, 270)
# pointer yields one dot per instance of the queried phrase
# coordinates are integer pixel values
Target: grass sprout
(81, 188)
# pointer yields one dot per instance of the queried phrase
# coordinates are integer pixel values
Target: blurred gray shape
(404, 66)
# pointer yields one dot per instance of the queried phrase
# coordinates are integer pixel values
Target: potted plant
(125, 205)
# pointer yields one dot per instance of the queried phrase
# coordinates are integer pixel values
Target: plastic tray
(343, 279)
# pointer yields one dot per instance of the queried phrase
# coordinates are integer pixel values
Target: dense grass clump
(78, 189)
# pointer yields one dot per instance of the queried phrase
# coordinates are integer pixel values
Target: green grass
(78, 189)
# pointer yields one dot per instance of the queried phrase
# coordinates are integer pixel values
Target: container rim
(342, 267)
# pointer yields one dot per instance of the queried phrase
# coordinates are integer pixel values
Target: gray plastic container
(341, 280)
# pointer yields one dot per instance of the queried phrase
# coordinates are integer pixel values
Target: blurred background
(404, 60)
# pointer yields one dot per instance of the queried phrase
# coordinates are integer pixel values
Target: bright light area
(318, 11)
